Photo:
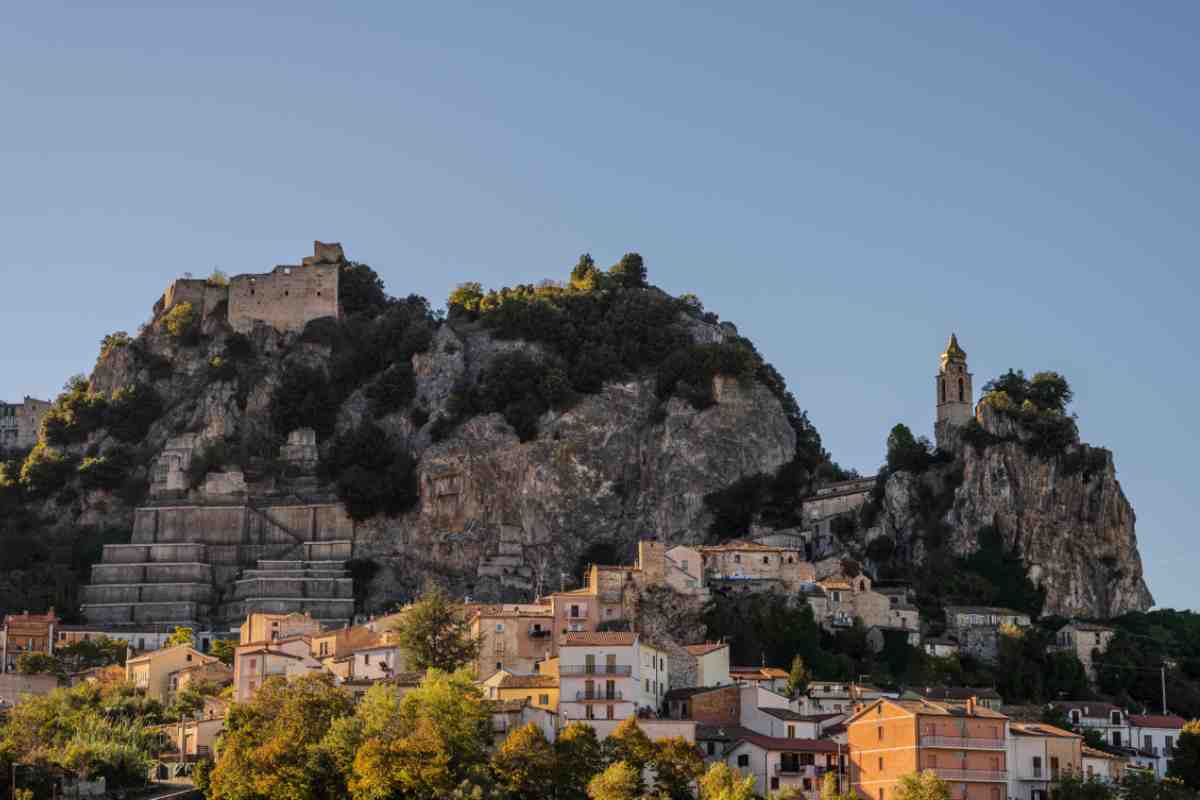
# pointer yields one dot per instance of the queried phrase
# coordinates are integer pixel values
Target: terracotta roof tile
(704, 649)
(529, 682)
(1157, 720)
(777, 743)
(599, 639)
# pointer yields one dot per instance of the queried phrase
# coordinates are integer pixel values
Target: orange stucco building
(965, 744)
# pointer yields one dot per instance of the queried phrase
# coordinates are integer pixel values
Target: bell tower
(955, 395)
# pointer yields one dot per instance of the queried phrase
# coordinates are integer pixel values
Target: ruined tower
(955, 396)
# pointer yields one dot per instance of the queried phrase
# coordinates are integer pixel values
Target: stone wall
(288, 297)
(19, 423)
(204, 297)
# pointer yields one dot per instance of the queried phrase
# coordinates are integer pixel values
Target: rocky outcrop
(1073, 527)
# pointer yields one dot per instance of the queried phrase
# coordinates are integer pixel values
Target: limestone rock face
(1074, 530)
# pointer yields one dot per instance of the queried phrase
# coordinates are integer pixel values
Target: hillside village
(256, 573)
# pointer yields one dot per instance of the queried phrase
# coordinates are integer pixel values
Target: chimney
(971, 706)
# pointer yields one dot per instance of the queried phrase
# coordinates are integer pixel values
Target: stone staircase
(508, 562)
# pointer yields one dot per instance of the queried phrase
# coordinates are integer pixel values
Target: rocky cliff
(1065, 516)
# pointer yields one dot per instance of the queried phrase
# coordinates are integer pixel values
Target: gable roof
(529, 682)
(785, 745)
(1041, 729)
(154, 654)
(684, 692)
(705, 648)
(1168, 721)
(928, 708)
(599, 639)
(786, 714)
(957, 692)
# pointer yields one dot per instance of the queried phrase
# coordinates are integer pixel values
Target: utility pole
(1162, 674)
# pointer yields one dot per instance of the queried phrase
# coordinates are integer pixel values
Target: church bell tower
(955, 397)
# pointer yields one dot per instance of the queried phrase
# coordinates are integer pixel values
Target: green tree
(360, 290)
(1050, 391)
(1185, 765)
(922, 786)
(88, 653)
(798, 677)
(579, 758)
(676, 766)
(584, 274)
(721, 782)
(435, 634)
(906, 453)
(1142, 785)
(180, 321)
(466, 297)
(224, 649)
(181, 635)
(620, 781)
(1071, 786)
(629, 272)
(524, 765)
(39, 664)
(830, 789)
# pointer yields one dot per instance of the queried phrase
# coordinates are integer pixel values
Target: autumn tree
(224, 650)
(272, 744)
(628, 743)
(922, 786)
(181, 635)
(677, 765)
(721, 782)
(620, 781)
(435, 633)
(578, 758)
(524, 765)
(798, 677)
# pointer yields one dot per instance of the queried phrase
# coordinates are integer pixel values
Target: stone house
(342, 642)
(711, 663)
(879, 635)
(707, 705)
(26, 633)
(20, 423)
(838, 600)
(747, 566)
(1085, 640)
(513, 637)
(153, 672)
(977, 629)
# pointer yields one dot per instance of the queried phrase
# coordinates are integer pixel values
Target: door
(589, 662)
(610, 663)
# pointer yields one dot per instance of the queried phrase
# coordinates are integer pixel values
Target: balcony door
(610, 664)
(589, 662)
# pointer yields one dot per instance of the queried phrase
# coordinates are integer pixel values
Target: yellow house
(152, 672)
(541, 691)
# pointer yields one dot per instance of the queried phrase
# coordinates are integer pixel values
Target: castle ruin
(287, 298)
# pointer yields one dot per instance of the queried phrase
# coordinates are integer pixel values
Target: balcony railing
(614, 695)
(800, 770)
(963, 743)
(971, 774)
(536, 634)
(595, 669)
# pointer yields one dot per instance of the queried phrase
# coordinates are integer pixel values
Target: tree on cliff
(435, 634)
(360, 289)
(905, 452)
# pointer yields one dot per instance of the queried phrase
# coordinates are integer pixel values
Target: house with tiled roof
(778, 763)
(1085, 640)
(708, 664)
(1038, 755)
(741, 565)
(1098, 765)
(256, 662)
(539, 691)
(1156, 735)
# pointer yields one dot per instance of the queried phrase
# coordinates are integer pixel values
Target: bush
(132, 411)
(522, 388)
(76, 414)
(181, 322)
(210, 457)
(360, 290)
(394, 388)
(238, 347)
(108, 472)
(45, 471)
(372, 475)
(113, 341)
(304, 399)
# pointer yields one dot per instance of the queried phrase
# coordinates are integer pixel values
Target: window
(943, 387)
(543, 699)
(808, 784)
(499, 665)
(1116, 738)
(1147, 742)
(189, 656)
(737, 559)
(933, 760)
(879, 732)
(1075, 716)
(574, 612)
(710, 748)
(648, 689)
(961, 395)
(1037, 766)
(253, 661)
(366, 658)
(791, 731)
(1168, 745)
(590, 711)
(499, 627)
(881, 763)
(743, 760)
(1116, 717)
(1053, 766)
(995, 793)
(766, 559)
(608, 710)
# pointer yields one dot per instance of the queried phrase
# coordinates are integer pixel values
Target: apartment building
(1039, 755)
(513, 637)
(609, 676)
(1108, 720)
(1155, 735)
(965, 745)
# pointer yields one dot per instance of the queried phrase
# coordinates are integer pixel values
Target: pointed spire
(953, 351)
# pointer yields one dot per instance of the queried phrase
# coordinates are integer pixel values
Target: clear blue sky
(847, 182)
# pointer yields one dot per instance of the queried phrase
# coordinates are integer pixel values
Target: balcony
(586, 696)
(800, 770)
(538, 634)
(595, 669)
(962, 743)
(971, 774)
